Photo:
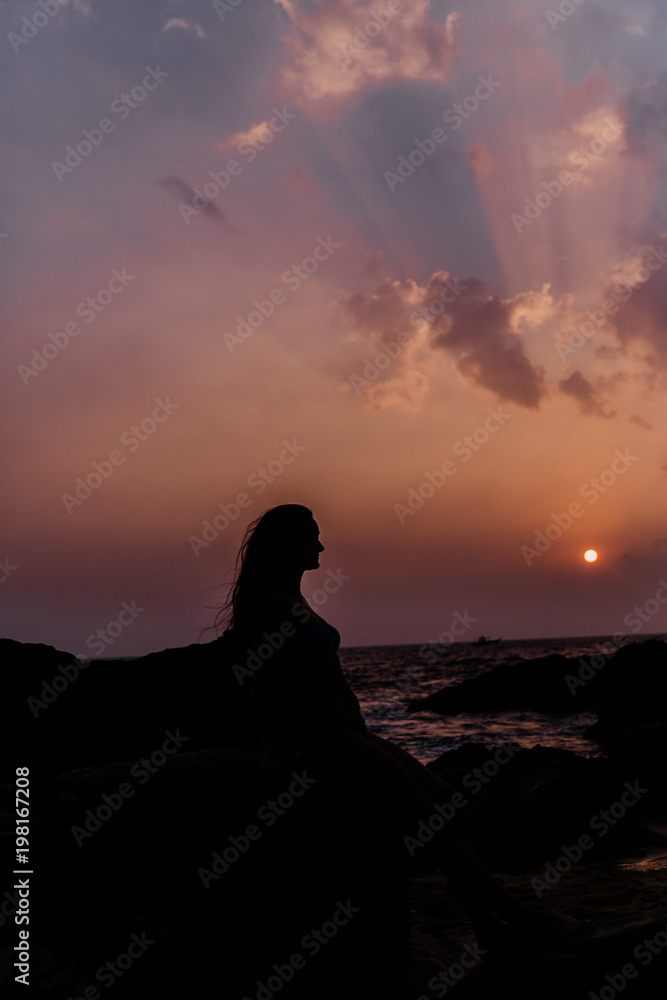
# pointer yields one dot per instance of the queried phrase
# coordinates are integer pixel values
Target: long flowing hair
(266, 547)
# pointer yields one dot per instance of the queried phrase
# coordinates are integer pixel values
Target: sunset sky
(496, 164)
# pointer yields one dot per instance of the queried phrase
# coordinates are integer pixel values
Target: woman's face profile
(310, 546)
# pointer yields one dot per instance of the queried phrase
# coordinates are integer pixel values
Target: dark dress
(305, 684)
(312, 679)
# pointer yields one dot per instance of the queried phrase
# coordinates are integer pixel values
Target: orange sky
(359, 180)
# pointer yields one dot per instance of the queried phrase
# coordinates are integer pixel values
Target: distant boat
(485, 641)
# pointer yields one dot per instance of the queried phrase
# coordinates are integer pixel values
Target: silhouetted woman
(301, 703)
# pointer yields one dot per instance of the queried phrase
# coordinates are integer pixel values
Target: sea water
(386, 678)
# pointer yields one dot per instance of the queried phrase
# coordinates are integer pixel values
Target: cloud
(481, 331)
(180, 23)
(635, 557)
(480, 159)
(337, 48)
(578, 387)
(259, 132)
(391, 372)
(644, 424)
(83, 6)
(643, 316)
(186, 195)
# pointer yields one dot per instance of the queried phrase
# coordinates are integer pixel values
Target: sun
(590, 555)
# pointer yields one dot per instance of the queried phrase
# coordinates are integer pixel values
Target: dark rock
(632, 681)
(542, 798)
(643, 752)
(537, 684)
(578, 969)
(149, 869)
(122, 828)
(59, 713)
(140, 871)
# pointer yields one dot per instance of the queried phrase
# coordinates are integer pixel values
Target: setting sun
(590, 555)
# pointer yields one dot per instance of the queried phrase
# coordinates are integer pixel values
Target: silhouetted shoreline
(141, 774)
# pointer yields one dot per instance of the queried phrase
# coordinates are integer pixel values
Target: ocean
(386, 678)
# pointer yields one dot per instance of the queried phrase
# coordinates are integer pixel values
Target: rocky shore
(162, 870)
